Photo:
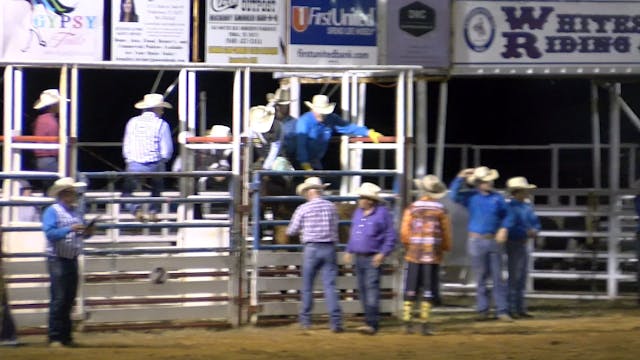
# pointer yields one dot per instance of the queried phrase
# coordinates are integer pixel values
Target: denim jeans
(320, 256)
(368, 288)
(486, 261)
(63, 274)
(517, 263)
(8, 327)
(131, 183)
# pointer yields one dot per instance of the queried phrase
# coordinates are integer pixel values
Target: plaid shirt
(425, 231)
(147, 139)
(316, 220)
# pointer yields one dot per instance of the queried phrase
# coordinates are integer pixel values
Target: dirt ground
(559, 330)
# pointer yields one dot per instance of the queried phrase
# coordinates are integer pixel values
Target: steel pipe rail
(136, 251)
(135, 225)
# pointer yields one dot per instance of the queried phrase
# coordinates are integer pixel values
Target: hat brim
(262, 126)
(493, 175)
(325, 110)
(434, 195)
(522, 187)
(143, 105)
(300, 189)
(271, 98)
(372, 197)
(39, 104)
(54, 190)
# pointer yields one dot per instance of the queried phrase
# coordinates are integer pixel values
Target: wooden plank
(269, 258)
(25, 267)
(142, 289)
(293, 308)
(29, 294)
(148, 263)
(157, 313)
(272, 284)
(26, 319)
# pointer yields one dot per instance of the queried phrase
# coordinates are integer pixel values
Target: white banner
(245, 31)
(51, 30)
(150, 30)
(546, 33)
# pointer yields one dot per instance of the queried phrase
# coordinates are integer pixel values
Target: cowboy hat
(313, 182)
(47, 98)
(281, 97)
(431, 186)
(518, 183)
(219, 131)
(63, 184)
(483, 174)
(370, 191)
(152, 101)
(261, 118)
(321, 104)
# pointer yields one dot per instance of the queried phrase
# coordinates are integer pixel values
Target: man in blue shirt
(525, 225)
(489, 220)
(147, 147)
(314, 129)
(372, 238)
(64, 230)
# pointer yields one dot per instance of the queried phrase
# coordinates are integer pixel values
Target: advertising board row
(431, 33)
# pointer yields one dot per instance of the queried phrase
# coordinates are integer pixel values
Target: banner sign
(150, 30)
(51, 30)
(332, 32)
(418, 33)
(546, 32)
(245, 31)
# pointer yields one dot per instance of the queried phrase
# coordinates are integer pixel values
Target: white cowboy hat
(219, 131)
(65, 183)
(519, 182)
(483, 173)
(431, 186)
(152, 101)
(321, 104)
(313, 182)
(370, 191)
(281, 97)
(261, 118)
(47, 97)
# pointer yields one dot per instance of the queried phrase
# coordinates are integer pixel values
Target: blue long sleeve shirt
(524, 219)
(373, 233)
(312, 136)
(487, 212)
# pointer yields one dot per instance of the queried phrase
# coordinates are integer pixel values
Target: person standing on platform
(147, 147)
(371, 240)
(489, 219)
(281, 100)
(46, 124)
(317, 222)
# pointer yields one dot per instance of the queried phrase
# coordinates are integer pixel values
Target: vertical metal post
(614, 189)
(8, 132)
(404, 157)
(595, 137)
(555, 172)
(183, 120)
(202, 123)
(442, 126)
(421, 148)
(400, 131)
(63, 153)
(294, 91)
(16, 127)
(358, 97)
(345, 107)
(73, 123)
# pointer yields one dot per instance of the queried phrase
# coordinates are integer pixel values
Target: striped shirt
(425, 231)
(61, 240)
(147, 139)
(316, 220)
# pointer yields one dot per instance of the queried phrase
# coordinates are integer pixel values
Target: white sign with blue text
(546, 33)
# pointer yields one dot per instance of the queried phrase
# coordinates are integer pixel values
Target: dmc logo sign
(300, 18)
(221, 5)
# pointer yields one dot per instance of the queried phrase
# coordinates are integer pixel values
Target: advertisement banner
(331, 32)
(245, 31)
(150, 30)
(546, 33)
(51, 30)
(418, 33)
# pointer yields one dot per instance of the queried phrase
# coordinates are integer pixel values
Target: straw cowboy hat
(321, 104)
(261, 118)
(47, 98)
(281, 97)
(484, 174)
(151, 101)
(63, 184)
(313, 182)
(519, 183)
(370, 191)
(219, 131)
(431, 186)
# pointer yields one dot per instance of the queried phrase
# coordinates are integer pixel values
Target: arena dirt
(566, 330)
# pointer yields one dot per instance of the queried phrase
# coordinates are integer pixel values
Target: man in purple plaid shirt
(317, 222)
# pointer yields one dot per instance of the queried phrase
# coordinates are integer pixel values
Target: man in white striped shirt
(317, 222)
(147, 147)
(64, 230)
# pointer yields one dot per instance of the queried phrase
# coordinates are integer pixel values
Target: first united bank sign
(569, 32)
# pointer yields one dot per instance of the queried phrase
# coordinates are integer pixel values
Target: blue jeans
(320, 256)
(368, 288)
(131, 183)
(8, 327)
(486, 261)
(517, 263)
(63, 275)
